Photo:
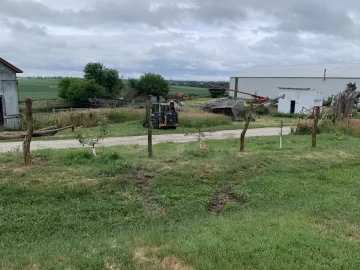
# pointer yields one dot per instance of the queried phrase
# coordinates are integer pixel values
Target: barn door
(292, 107)
(1, 111)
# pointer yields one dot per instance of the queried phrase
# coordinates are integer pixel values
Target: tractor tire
(155, 124)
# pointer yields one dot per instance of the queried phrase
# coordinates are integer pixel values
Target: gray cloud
(199, 39)
(116, 13)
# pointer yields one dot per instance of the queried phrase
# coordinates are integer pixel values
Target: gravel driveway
(142, 140)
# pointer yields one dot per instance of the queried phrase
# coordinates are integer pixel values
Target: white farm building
(265, 81)
(299, 100)
(9, 103)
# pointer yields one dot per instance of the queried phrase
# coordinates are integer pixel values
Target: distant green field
(37, 89)
(47, 89)
(189, 90)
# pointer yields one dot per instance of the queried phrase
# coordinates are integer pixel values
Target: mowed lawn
(295, 208)
(42, 89)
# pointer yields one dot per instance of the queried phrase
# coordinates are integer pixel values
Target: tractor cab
(163, 115)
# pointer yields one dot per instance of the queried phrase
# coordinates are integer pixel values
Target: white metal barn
(299, 100)
(9, 102)
(265, 80)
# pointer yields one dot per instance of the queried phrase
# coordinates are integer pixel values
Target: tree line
(103, 82)
(199, 84)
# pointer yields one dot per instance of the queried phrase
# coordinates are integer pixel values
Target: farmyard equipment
(163, 115)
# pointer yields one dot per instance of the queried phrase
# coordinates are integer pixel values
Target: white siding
(304, 100)
(9, 93)
(232, 86)
(268, 87)
(6, 73)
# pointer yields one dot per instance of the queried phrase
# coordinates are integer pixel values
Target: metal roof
(291, 88)
(17, 70)
(303, 71)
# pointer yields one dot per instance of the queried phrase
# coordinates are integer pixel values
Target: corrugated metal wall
(9, 94)
(268, 87)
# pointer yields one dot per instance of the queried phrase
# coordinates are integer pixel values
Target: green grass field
(296, 208)
(47, 89)
(37, 89)
(189, 90)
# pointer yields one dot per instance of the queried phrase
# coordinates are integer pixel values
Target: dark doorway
(292, 107)
(1, 112)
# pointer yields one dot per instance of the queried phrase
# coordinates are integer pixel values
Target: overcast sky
(184, 39)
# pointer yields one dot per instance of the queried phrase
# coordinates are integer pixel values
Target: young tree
(153, 84)
(91, 139)
(199, 125)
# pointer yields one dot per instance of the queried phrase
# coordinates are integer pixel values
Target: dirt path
(142, 140)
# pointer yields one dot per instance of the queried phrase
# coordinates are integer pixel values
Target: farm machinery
(236, 108)
(258, 99)
(163, 116)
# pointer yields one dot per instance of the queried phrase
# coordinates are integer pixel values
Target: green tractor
(163, 116)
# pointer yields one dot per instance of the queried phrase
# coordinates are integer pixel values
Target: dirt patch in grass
(173, 263)
(19, 167)
(85, 181)
(141, 177)
(206, 172)
(338, 228)
(219, 201)
(111, 266)
(333, 156)
(155, 209)
(148, 255)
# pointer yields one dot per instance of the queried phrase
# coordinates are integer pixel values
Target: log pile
(49, 131)
(344, 103)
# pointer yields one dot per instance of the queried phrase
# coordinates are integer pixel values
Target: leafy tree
(79, 90)
(132, 83)
(108, 78)
(63, 86)
(95, 71)
(153, 84)
(113, 83)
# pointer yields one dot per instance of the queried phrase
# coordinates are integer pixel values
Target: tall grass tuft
(186, 119)
(87, 118)
(288, 115)
(90, 118)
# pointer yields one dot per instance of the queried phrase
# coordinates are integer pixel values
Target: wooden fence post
(315, 126)
(247, 122)
(30, 130)
(150, 128)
